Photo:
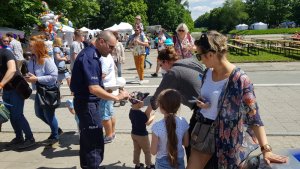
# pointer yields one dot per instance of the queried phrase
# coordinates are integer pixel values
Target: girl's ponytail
(172, 140)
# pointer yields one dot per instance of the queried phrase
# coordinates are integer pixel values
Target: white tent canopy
(66, 28)
(113, 28)
(123, 26)
(84, 29)
(4, 30)
(241, 27)
(259, 26)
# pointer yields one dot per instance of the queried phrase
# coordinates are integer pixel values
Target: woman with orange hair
(43, 70)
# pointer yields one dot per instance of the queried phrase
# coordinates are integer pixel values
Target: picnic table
(248, 45)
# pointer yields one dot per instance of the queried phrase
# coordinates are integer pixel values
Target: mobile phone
(192, 101)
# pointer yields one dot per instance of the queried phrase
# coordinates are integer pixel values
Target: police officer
(87, 86)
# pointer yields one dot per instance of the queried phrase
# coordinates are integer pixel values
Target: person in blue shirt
(87, 86)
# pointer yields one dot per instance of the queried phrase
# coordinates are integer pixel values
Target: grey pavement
(277, 86)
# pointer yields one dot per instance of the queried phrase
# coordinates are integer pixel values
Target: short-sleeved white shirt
(108, 68)
(159, 129)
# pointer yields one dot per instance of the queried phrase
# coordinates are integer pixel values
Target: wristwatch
(266, 148)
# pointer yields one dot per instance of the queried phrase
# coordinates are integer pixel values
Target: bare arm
(11, 70)
(101, 93)
(269, 157)
(58, 57)
(185, 141)
(154, 144)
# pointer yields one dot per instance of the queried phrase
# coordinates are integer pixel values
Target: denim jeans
(17, 118)
(119, 66)
(47, 116)
(163, 163)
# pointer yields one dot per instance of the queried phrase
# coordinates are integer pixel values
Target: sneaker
(27, 143)
(143, 82)
(151, 167)
(52, 143)
(14, 142)
(114, 136)
(108, 139)
(154, 75)
(60, 132)
(141, 166)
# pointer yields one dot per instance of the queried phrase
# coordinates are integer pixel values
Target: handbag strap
(179, 42)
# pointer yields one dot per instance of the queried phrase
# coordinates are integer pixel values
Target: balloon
(46, 24)
(51, 21)
(70, 24)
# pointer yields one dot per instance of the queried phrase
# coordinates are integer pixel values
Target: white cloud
(199, 10)
(194, 1)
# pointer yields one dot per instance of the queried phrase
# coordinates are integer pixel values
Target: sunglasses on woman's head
(204, 44)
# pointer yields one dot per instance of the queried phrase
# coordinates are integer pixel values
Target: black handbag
(21, 86)
(62, 70)
(48, 96)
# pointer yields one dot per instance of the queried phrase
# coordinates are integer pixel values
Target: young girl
(169, 134)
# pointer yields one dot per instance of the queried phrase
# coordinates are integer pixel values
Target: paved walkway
(280, 111)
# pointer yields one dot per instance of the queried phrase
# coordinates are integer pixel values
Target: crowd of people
(219, 94)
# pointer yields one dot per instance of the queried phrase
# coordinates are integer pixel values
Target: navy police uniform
(86, 72)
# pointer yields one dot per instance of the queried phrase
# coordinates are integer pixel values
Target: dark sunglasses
(110, 46)
(5, 41)
(181, 30)
(204, 44)
(198, 56)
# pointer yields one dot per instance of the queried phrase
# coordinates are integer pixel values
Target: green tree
(168, 13)
(233, 13)
(78, 11)
(202, 21)
(20, 14)
(116, 11)
(295, 11)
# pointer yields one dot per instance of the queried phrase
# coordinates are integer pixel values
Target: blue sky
(199, 7)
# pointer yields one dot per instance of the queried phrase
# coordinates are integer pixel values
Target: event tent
(113, 28)
(123, 27)
(241, 27)
(4, 30)
(66, 28)
(259, 26)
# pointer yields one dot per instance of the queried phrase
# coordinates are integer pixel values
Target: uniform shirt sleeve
(90, 70)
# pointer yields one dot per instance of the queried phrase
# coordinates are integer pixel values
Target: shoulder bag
(4, 113)
(48, 96)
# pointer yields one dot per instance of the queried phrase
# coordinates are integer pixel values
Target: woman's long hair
(169, 100)
(37, 43)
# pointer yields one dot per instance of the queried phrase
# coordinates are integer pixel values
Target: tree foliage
(101, 14)
(20, 14)
(233, 12)
(169, 14)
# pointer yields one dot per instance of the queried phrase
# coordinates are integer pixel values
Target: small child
(139, 133)
(70, 106)
(169, 134)
(138, 23)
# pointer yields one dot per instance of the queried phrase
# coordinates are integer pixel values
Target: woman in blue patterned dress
(228, 97)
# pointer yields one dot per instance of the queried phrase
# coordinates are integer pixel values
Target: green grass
(263, 57)
(267, 31)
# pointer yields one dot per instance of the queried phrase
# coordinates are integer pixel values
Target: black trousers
(91, 134)
(212, 163)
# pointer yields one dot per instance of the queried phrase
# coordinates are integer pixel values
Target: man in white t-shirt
(106, 106)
